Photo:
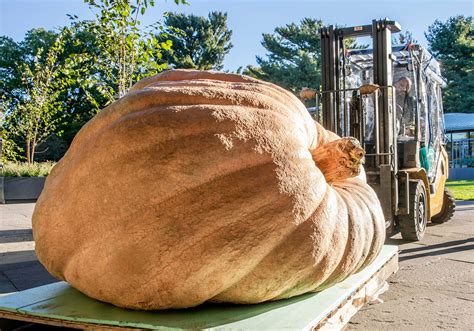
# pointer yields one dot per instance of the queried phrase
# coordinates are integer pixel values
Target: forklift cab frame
(410, 195)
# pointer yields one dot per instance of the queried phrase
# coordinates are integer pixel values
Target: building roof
(459, 121)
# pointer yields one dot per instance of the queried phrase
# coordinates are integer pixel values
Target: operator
(405, 104)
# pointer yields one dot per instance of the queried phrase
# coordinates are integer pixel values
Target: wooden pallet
(59, 304)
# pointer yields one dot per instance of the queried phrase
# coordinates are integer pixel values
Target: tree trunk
(33, 145)
(33, 150)
(28, 155)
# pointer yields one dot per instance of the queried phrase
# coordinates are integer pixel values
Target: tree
(198, 42)
(98, 62)
(77, 96)
(15, 55)
(452, 43)
(405, 38)
(33, 116)
(126, 51)
(293, 58)
(107, 56)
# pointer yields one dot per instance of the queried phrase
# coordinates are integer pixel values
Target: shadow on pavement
(12, 257)
(435, 253)
(445, 244)
(11, 236)
(464, 209)
(395, 241)
(25, 275)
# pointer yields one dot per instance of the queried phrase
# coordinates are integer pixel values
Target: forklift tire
(449, 205)
(413, 225)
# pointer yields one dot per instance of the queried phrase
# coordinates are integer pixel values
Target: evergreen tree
(293, 56)
(452, 43)
(197, 42)
(293, 60)
(404, 38)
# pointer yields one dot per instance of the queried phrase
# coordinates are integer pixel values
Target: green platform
(59, 304)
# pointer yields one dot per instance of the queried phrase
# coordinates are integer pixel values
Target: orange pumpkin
(204, 186)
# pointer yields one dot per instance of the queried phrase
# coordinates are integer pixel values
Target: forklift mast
(383, 169)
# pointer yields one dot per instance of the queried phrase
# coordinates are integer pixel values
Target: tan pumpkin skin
(201, 186)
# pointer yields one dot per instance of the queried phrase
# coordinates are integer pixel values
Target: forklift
(389, 98)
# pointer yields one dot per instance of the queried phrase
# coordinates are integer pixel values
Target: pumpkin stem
(339, 159)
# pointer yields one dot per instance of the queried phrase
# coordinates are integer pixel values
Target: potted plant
(22, 181)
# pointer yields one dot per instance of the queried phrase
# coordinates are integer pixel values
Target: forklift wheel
(449, 205)
(413, 225)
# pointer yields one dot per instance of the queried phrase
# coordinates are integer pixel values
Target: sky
(247, 19)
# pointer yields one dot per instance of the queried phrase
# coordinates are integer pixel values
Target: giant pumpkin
(204, 186)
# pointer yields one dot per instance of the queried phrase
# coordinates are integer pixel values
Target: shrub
(23, 169)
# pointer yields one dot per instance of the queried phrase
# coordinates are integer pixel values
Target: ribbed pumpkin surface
(200, 186)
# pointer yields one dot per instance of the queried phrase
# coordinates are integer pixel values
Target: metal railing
(461, 153)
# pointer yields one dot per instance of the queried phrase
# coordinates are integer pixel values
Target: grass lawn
(461, 189)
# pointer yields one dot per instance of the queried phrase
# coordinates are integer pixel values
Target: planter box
(20, 188)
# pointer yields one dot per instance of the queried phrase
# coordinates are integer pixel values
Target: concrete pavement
(434, 287)
(19, 268)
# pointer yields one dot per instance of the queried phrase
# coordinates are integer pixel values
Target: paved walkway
(19, 268)
(434, 288)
